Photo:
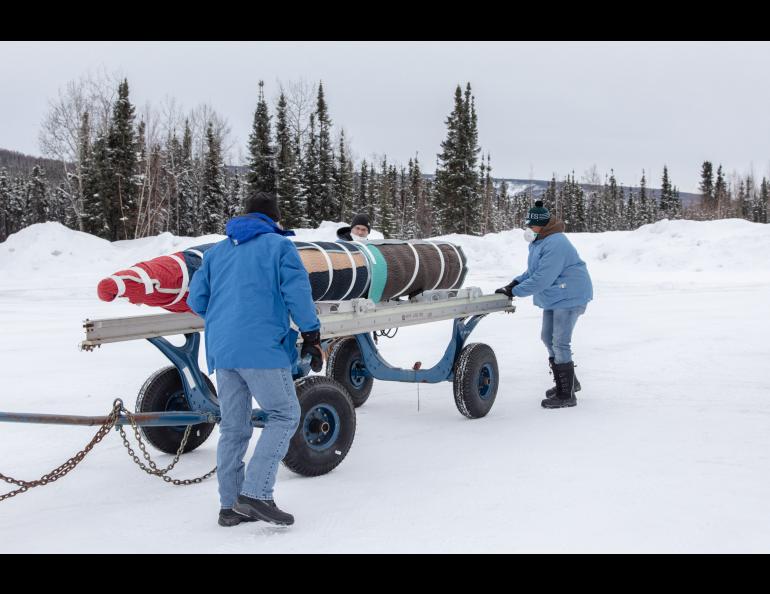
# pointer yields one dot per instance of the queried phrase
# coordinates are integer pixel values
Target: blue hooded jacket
(245, 290)
(555, 276)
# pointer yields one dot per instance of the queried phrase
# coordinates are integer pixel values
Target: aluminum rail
(343, 318)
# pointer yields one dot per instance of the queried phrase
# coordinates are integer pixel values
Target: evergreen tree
(310, 189)
(38, 207)
(764, 197)
(233, 200)
(343, 183)
(288, 181)
(187, 203)
(707, 186)
(362, 195)
(385, 215)
(666, 195)
(212, 199)
(373, 201)
(423, 212)
(721, 194)
(118, 185)
(5, 205)
(328, 205)
(503, 208)
(579, 198)
(93, 212)
(262, 166)
(456, 174)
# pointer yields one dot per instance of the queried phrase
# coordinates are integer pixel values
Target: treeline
(124, 173)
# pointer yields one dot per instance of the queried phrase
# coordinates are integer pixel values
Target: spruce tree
(721, 194)
(764, 197)
(262, 166)
(362, 196)
(343, 189)
(5, 205)
(118, 181)
(457, 185)
(327, 201)
(287, 178)
(212, 191)
(310, 190)
(385, 215)
(189, 222)
(666, 195)
(707, 186)
(38, 207)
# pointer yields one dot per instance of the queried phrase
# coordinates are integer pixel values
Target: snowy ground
(667, 450)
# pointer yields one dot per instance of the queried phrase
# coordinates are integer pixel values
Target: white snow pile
(666, 250)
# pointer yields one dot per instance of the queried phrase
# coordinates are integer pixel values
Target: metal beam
(343, 319)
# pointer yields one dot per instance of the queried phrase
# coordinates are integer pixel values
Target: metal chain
(153, 467)
(70, 464)
(109, 423)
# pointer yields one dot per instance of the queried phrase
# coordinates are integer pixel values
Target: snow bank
(666, 251)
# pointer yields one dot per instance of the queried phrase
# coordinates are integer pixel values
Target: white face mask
(529, 235)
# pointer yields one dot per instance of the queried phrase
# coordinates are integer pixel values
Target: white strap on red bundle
(120, 284)
(185, 278)
(146, 280)
(142, 277)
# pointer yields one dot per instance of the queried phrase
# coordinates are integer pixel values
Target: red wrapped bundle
(160, 282)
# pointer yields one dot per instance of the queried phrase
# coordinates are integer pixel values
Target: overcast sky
(543, 107)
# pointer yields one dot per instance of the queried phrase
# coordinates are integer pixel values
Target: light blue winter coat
(246, 289)
(555, 276)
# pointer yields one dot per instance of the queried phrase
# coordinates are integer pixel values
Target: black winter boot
(551, 392)
(262, 509)
(565, 388)
(228, 518)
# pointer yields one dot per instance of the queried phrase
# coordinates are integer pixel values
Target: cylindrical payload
(380, 270)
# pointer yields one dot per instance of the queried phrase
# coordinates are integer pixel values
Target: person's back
(250, 301)
(246, 289)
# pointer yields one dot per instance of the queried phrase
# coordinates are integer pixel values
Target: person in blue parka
(246, 289)
(559, 282)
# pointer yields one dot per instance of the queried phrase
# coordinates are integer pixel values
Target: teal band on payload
(378, 272)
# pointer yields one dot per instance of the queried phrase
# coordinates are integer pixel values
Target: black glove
(507, 290)
(311, 345)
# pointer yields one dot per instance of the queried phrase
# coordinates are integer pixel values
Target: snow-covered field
(667, 450)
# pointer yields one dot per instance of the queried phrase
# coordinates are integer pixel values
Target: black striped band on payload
(337, 271)
(381, 269)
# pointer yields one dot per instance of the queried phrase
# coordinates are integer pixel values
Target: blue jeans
(558, 325)
(274, 391)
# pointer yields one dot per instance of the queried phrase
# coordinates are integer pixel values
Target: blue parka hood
(244, 228)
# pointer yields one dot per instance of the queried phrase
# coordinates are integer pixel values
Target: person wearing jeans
(559, 282)
(246, 290)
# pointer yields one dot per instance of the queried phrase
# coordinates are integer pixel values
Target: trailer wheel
(346, 366)
(476, 380)
(326, 429)
(163, 391)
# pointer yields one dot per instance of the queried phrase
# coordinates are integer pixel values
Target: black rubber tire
(160, 387)
(468, 370)
(342, 355)
(301, 458)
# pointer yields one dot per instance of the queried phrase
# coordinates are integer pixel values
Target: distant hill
(20, 164)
